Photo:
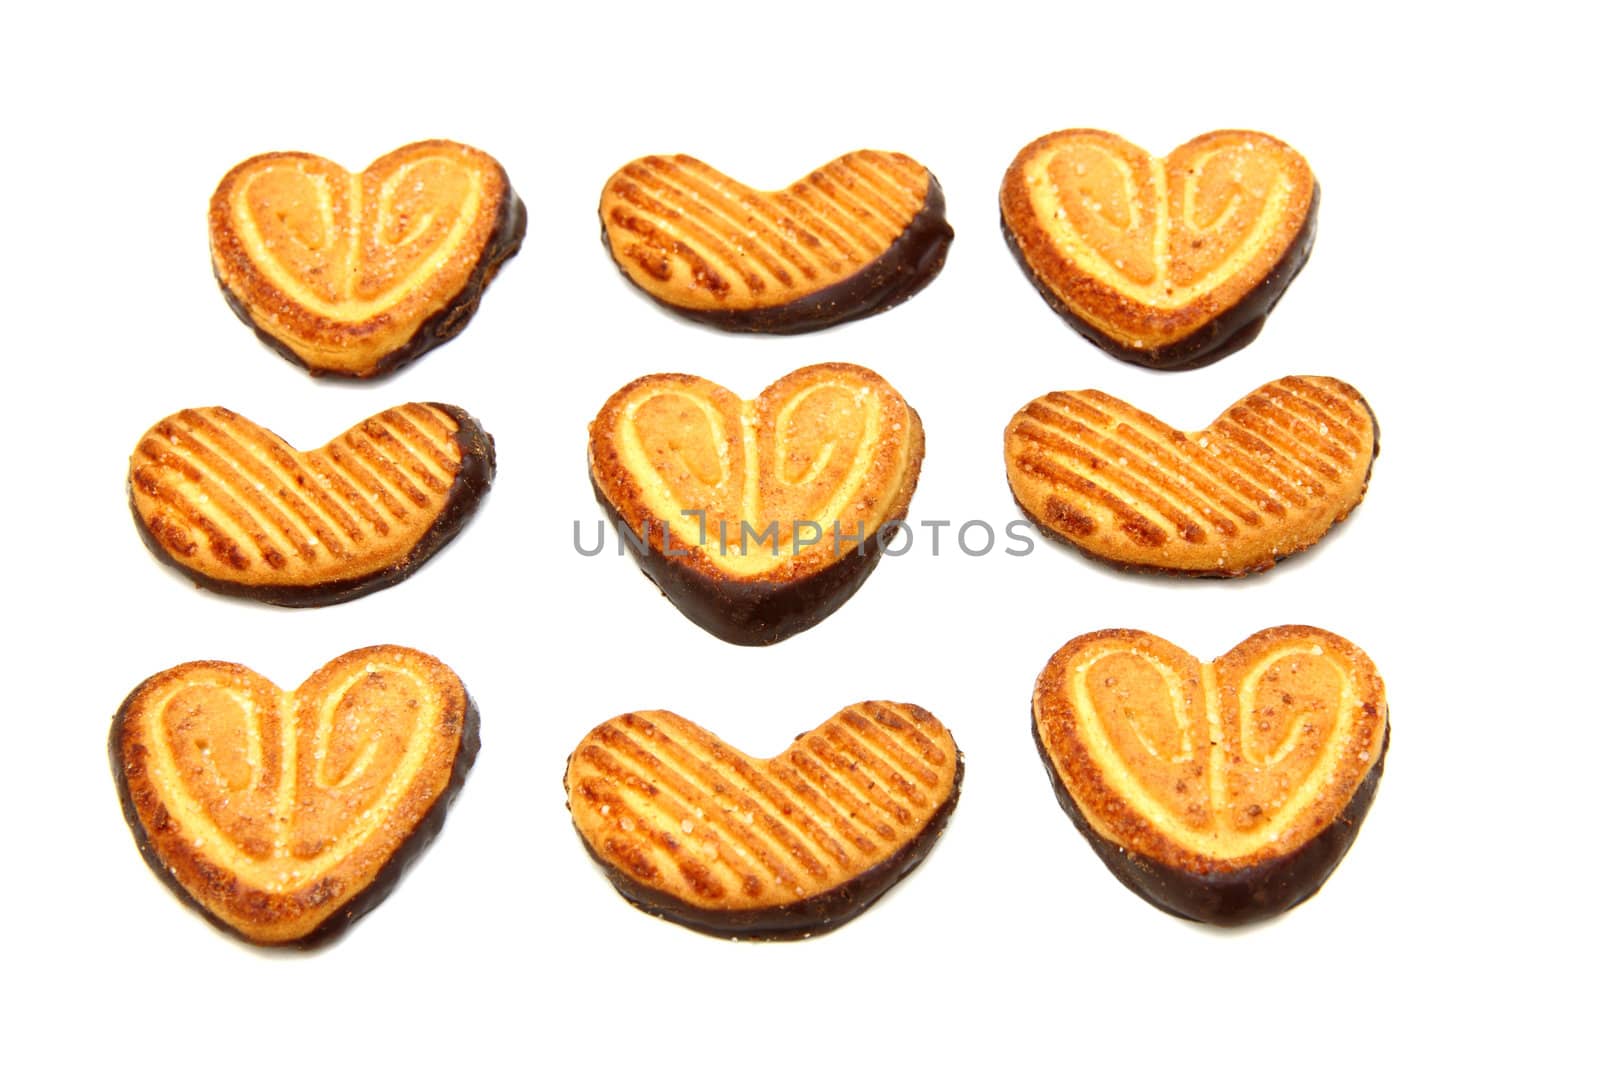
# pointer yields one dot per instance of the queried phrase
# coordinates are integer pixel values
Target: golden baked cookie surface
(1149, 252)
(700, 242)
(240, 510)
(344, 270)
(1266, 479)
(691, 827)
(275, 811)
(831, 443)
(1211, 767)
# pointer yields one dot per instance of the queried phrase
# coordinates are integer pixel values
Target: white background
(1452, 282)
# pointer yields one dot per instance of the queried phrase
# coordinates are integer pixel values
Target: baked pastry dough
(284, 816)
(1223, 792)
(1268, 478)
(856, 237)
(238, 510)
(757, 518)
(358, 274)
(1169, 263)
(691, 829)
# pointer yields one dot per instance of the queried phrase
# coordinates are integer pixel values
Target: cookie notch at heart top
(690, 829)
(799, 491)
(358, 274)
(1265, 480)
(1169, 263)
(239, 511)
(284, 816)
(1222, 792)
(857, 236)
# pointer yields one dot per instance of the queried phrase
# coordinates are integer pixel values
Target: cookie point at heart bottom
(1223, 792)
(284, 817)
(758, 518)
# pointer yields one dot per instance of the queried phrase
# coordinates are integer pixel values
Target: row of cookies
(1224, 792)
(1169, 263)
(757, 518)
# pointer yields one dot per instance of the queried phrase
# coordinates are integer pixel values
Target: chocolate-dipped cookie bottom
(1221, 336)
(910, 262)
(811, 917)
(752, 611)
(382, 884)
(1236, 897)
(511, 225)
(471, 482)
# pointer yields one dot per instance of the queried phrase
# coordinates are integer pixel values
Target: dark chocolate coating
(471, 482)
(820, 914)
(1228, 898)
(1222, 336)
(752, 612)
(335, 925)
(910, 262)
(504, 242)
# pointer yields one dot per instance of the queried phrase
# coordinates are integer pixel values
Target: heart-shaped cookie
(358, 274)
(1224, 792)
(855, 237)
(1169, 263)
(241, 512)
(284, 816)
(1266, 479)
(689, 828)
(757, 518)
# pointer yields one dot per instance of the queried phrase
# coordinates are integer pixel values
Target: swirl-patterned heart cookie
(1224, 792)
(1169, 263)
(689, 828)
(856, 237)
(358, 274)
(757, 518)
(284, 816)
(239, 511)
(1268, 478)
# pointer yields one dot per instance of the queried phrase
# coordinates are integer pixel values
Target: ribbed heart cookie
(240, 511)
(858, 236)
(1170, 263)
(1224, 792)
(1266, 479)
(691, 829)
(284, 816)
(757, 518)
(357, 274)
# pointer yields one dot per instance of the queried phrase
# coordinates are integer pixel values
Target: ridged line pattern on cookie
(683, 214)
(679, 810)
(223, 496)
(1266, 478)
(857, 237)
